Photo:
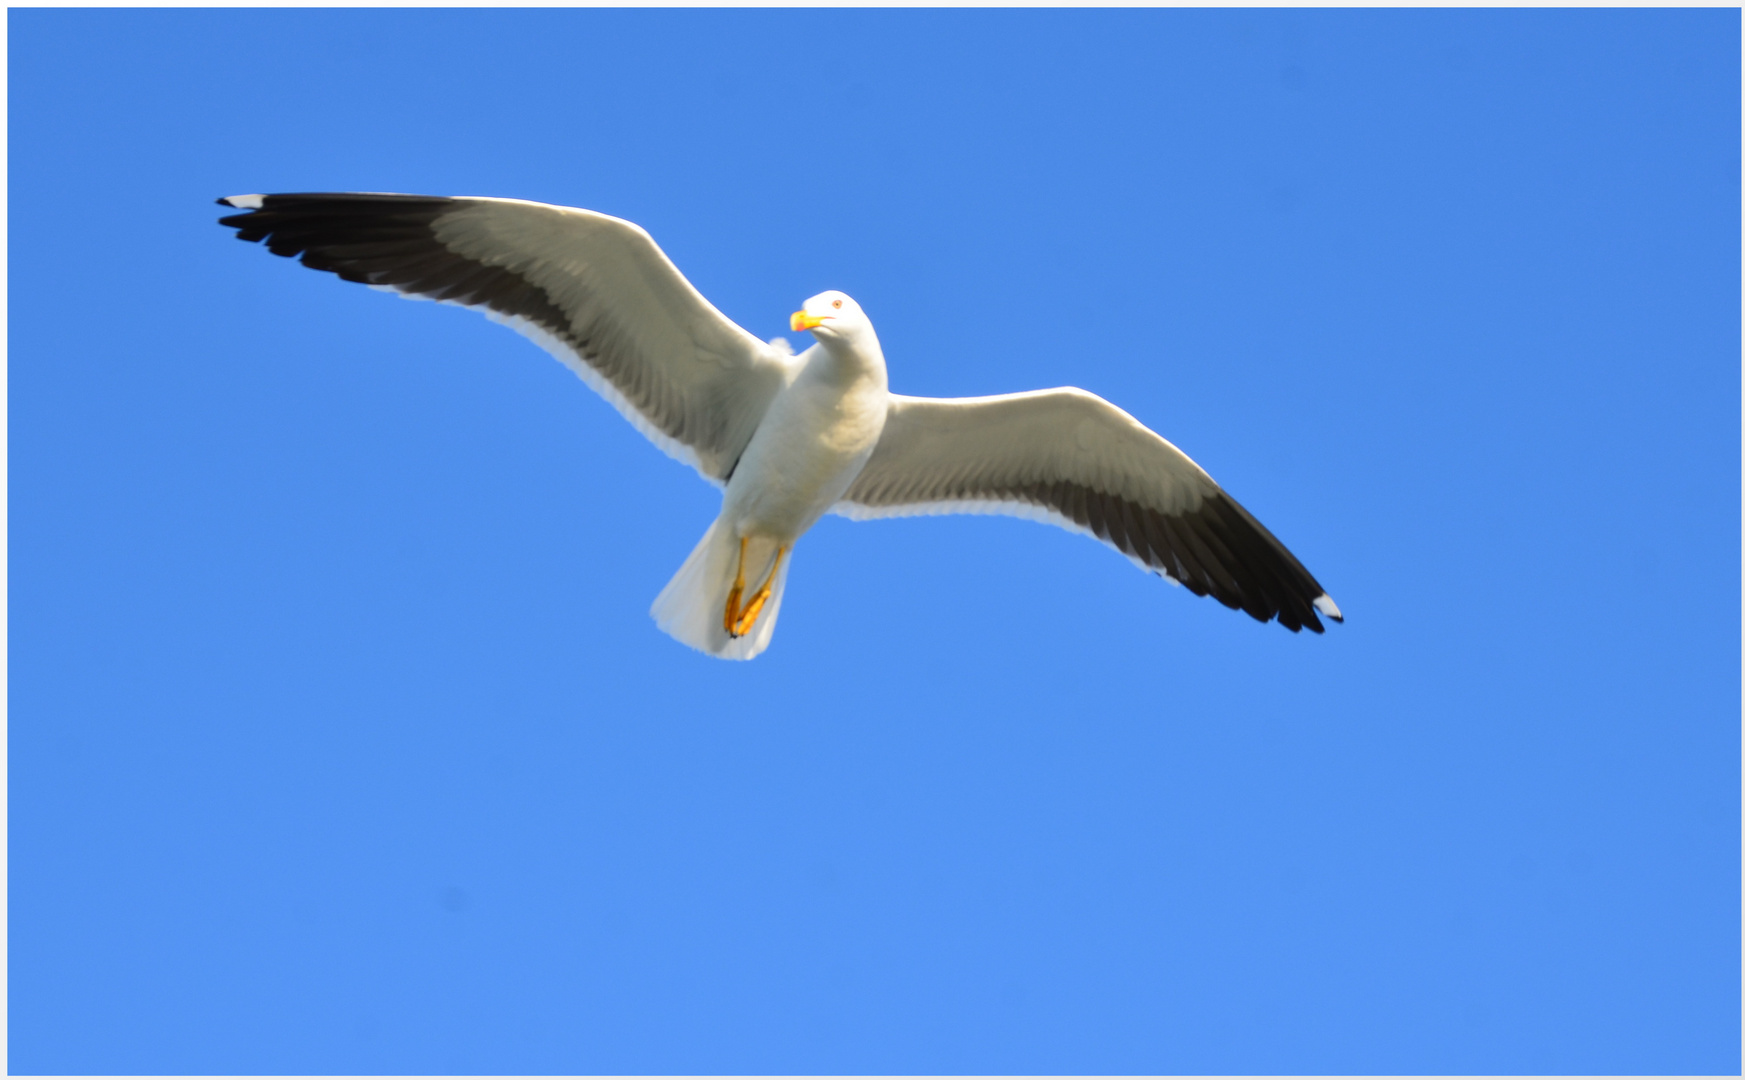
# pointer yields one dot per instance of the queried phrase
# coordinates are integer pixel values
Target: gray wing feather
(1070, 458)
(594, 290)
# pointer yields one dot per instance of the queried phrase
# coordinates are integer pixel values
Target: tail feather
(692, 606)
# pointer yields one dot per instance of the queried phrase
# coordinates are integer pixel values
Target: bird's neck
(847, 362)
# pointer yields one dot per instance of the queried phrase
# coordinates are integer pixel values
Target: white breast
(813, 442)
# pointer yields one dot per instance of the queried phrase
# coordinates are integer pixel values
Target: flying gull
(788, 437)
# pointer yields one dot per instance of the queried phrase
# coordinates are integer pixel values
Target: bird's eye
(836, 303)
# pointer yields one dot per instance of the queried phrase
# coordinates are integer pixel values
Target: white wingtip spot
(1325, 605)
(245, 202)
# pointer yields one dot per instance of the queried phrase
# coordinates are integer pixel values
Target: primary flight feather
(787, 437)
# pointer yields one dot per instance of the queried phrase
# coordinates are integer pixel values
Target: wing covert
(593, 290)
(1070, 458)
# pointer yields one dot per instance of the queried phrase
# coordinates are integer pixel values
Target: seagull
(788, 438)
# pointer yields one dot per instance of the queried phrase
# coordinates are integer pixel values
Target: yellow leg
(748, 615)
(731, 615)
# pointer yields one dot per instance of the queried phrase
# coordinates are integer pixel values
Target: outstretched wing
(1070, 458)
(593, 290)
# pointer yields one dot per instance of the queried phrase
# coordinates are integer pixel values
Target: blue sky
(340, 738)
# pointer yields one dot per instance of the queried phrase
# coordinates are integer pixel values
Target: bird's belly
(802, 459)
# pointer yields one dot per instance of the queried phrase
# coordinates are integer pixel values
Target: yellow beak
(799, 320)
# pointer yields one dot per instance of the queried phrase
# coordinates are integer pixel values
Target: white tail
(692, 606)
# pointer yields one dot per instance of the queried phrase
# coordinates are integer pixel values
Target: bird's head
(831, 316)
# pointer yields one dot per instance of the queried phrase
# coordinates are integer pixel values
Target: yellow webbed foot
(739, 621)
(731, 615)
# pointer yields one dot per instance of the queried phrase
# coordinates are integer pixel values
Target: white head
(832, 316)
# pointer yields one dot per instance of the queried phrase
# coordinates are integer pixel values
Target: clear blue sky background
(341, 739)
